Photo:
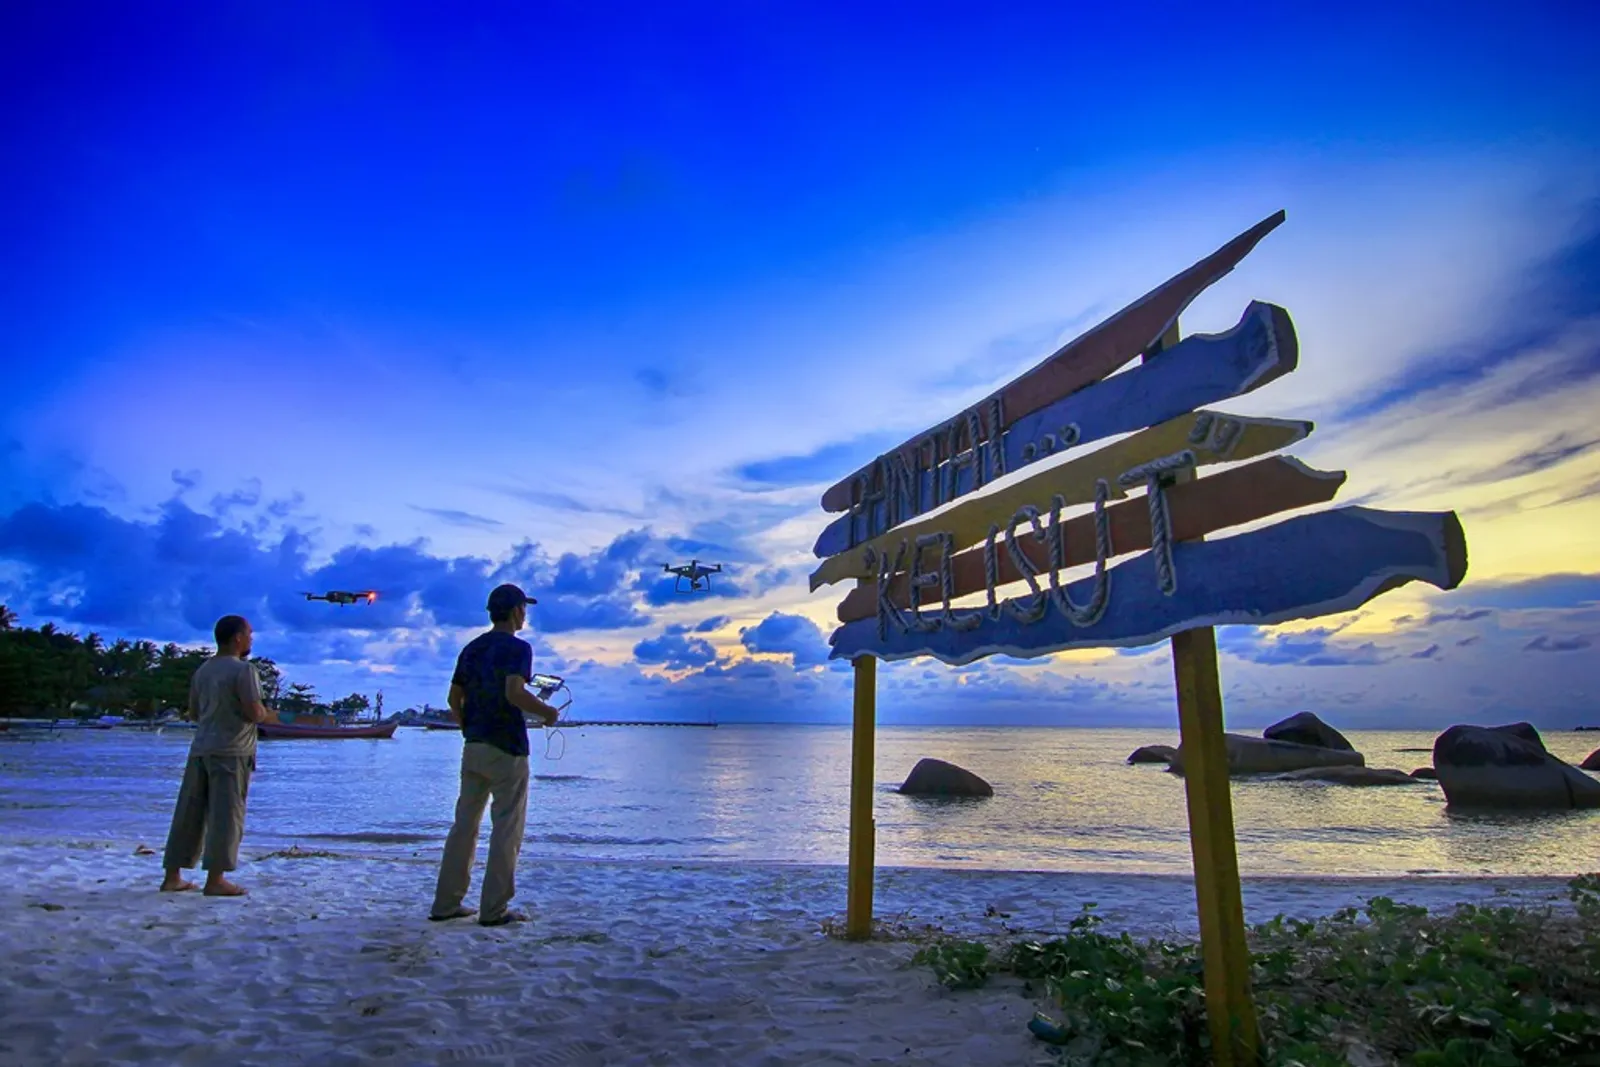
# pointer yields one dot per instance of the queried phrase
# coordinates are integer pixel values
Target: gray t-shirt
(221, 689)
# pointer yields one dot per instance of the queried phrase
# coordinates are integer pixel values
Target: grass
(1384, 984)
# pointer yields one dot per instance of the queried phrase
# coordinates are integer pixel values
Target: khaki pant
(210, 811)
(485, 771)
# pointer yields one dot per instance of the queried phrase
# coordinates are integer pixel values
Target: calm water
(1064, 800)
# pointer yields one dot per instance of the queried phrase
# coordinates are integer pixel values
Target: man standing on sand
(225, 698)
(488, 697)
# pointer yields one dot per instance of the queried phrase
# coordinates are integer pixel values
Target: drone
(698, 574)
(342, 597)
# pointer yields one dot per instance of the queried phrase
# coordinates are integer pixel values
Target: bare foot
(221, 887)
(176, 885)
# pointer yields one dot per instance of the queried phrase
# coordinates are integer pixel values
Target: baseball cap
(507, 596)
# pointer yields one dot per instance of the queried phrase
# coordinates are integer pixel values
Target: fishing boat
(309, 726)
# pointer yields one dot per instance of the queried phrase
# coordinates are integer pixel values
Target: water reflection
(1064, 800)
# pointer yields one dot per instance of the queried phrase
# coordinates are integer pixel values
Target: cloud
(675, 650)
(793, 635)
(829, 463)
(1563, 287)
(715, 541)
(172, 576)
(245, 497)
(656, 381)
(1306, 648)
(1463, 615)
(459, 518)
(545, 498)
(660, 590)
(716, 622)
(1544, 591)
(1546, 643)
(1551, 453)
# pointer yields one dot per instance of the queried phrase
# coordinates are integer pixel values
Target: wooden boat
(442, 726)
(289, 730)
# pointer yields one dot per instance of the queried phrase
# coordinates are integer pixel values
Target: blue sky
(393, 296)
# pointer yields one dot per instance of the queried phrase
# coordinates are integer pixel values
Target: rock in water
(1306, 729)
(1346, 775)
(1154, 754)
(1507, 767)
(1593, 762)
(1257, 755)
(936, 778)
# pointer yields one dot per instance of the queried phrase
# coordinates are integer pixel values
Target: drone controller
(547, 686)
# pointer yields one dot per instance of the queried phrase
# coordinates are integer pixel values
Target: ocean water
(1065, 800)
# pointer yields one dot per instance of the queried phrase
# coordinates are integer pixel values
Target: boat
(442, 726)
(326, 727)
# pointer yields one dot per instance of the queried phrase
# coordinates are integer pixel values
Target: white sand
(331, 961)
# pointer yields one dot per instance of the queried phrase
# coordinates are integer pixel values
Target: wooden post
(1230, 1011)
(858, 911)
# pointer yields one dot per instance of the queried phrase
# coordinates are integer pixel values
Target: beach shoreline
(331, 959)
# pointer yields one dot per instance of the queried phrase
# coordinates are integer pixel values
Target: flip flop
(504, 918)
(459, 913)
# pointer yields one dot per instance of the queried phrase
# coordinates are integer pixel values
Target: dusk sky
(402, 297)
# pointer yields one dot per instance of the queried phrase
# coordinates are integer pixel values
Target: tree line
(48, 672)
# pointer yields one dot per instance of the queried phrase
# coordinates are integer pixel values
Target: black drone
(342, 597)
(698, 575)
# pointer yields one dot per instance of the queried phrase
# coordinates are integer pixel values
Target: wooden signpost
(912, 567)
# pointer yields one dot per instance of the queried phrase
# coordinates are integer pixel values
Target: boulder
(1593, 762)
(1347, 776)
(936, 778)
(1426, 772)
(1306, 729)
(1154, 754)
(1257, 755)
(1507, 767)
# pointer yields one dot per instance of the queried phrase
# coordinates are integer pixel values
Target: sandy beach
(330, 960)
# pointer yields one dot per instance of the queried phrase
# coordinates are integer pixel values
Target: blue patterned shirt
(481, 671)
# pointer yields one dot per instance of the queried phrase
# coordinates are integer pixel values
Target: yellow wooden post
(1230, 1011)
(858, 911)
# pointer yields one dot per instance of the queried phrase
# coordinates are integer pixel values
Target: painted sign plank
(1196, 508)
(1201, 369)
(1304, 567)
(1087, 358)
(1212, 437)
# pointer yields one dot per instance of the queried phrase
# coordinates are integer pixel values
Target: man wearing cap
(488, 697)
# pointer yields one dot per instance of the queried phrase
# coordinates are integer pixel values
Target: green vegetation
(48, 673)
(1388, 983)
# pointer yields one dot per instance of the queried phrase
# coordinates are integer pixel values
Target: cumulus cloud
(172, 575)
(675, 650)
(791, 635)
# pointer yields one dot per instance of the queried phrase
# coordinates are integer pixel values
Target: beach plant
(958, 964)
(1386, 983)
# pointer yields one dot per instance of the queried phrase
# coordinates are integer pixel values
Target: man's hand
(517, 693)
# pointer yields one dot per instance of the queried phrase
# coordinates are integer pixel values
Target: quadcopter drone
(698, 574)
(342, 597)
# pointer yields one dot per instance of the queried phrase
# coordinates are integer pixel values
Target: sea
(1065, 799)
